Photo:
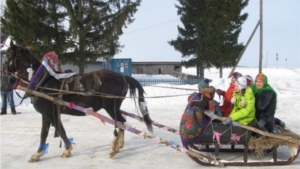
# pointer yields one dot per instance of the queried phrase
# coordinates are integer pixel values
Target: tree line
(80, 31)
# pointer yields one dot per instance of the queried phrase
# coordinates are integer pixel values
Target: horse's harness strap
(29, 91)
(58, 110)
(69, 79)
(77, 83)
(97, 81)
(125, 89)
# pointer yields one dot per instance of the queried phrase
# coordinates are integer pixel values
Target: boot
(3, 111)
(282, 124)
(13, 110)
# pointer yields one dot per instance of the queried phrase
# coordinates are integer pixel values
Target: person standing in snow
(7, 84)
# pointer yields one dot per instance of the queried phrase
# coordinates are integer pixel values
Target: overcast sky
(156, 23)
(146, 39)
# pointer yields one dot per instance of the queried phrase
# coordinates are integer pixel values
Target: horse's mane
(27, 51)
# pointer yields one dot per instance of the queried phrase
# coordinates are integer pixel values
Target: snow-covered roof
(5, 45)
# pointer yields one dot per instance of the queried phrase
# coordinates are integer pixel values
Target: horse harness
(77, 87)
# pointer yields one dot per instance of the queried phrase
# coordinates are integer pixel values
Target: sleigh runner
(215, 139)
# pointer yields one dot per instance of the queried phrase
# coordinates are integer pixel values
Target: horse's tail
(133, 85)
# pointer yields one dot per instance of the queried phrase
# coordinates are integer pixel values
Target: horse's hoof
(65, 155)
(35, 157)
(32, 160)
(112, 155)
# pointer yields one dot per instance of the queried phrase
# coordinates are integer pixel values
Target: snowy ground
(20, 134)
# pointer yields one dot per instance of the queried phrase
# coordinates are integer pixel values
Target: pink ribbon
(217, 136)
(71, 105)
(234, 137)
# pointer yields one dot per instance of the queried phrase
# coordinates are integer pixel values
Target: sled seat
(218, 133)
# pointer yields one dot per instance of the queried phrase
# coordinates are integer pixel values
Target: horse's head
(19, 59)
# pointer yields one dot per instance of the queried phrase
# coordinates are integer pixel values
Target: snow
(20, 133)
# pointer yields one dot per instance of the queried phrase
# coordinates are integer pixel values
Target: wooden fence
(149, 82)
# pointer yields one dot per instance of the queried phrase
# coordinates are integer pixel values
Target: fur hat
(249, 80)
(241, 82)
(203, 84)
(236, 75)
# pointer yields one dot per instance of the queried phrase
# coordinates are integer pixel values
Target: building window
(177, 68)
(139, 70)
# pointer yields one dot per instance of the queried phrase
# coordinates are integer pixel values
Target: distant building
(90, 67)
(156, 68)
(149, 68)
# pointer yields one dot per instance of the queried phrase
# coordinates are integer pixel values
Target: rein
(100, 94)
(87, 93)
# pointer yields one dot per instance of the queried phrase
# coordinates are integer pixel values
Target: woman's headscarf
(265, 87)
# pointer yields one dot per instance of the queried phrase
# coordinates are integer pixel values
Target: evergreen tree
(36, 23)
(3, 34)
(95, 27)
(210, 32)
(78, 30)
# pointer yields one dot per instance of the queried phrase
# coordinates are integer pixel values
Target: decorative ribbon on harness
(70, 141)
(217, 136)
(235, 138)
(50, 61)
(44, 147)
(144, 134)
(174, 145)
(71, 105)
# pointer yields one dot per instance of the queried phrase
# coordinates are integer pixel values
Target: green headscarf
(265, 87)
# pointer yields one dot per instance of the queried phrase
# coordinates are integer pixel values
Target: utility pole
(277, 59)
(266, 59)
(261, 37)
(285, 62)
(240, 56)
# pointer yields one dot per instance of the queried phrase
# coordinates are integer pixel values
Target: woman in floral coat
(194, 120)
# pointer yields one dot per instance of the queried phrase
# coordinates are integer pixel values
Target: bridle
(12, 59)
(13, 63)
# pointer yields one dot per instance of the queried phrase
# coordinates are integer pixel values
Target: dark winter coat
(7, 82)
(265, 103)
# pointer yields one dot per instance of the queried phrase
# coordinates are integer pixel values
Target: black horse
(103, 82)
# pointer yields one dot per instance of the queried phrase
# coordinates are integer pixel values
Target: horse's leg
(113, 147)
(44, 134)
(120, 118)
(121, 138)
(68, 144)
(118, 141)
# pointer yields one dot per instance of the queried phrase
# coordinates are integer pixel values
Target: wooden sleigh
(234, 140)
(238, 139)
(248, 142)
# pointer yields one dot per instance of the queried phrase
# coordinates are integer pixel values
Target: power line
(151, 26)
